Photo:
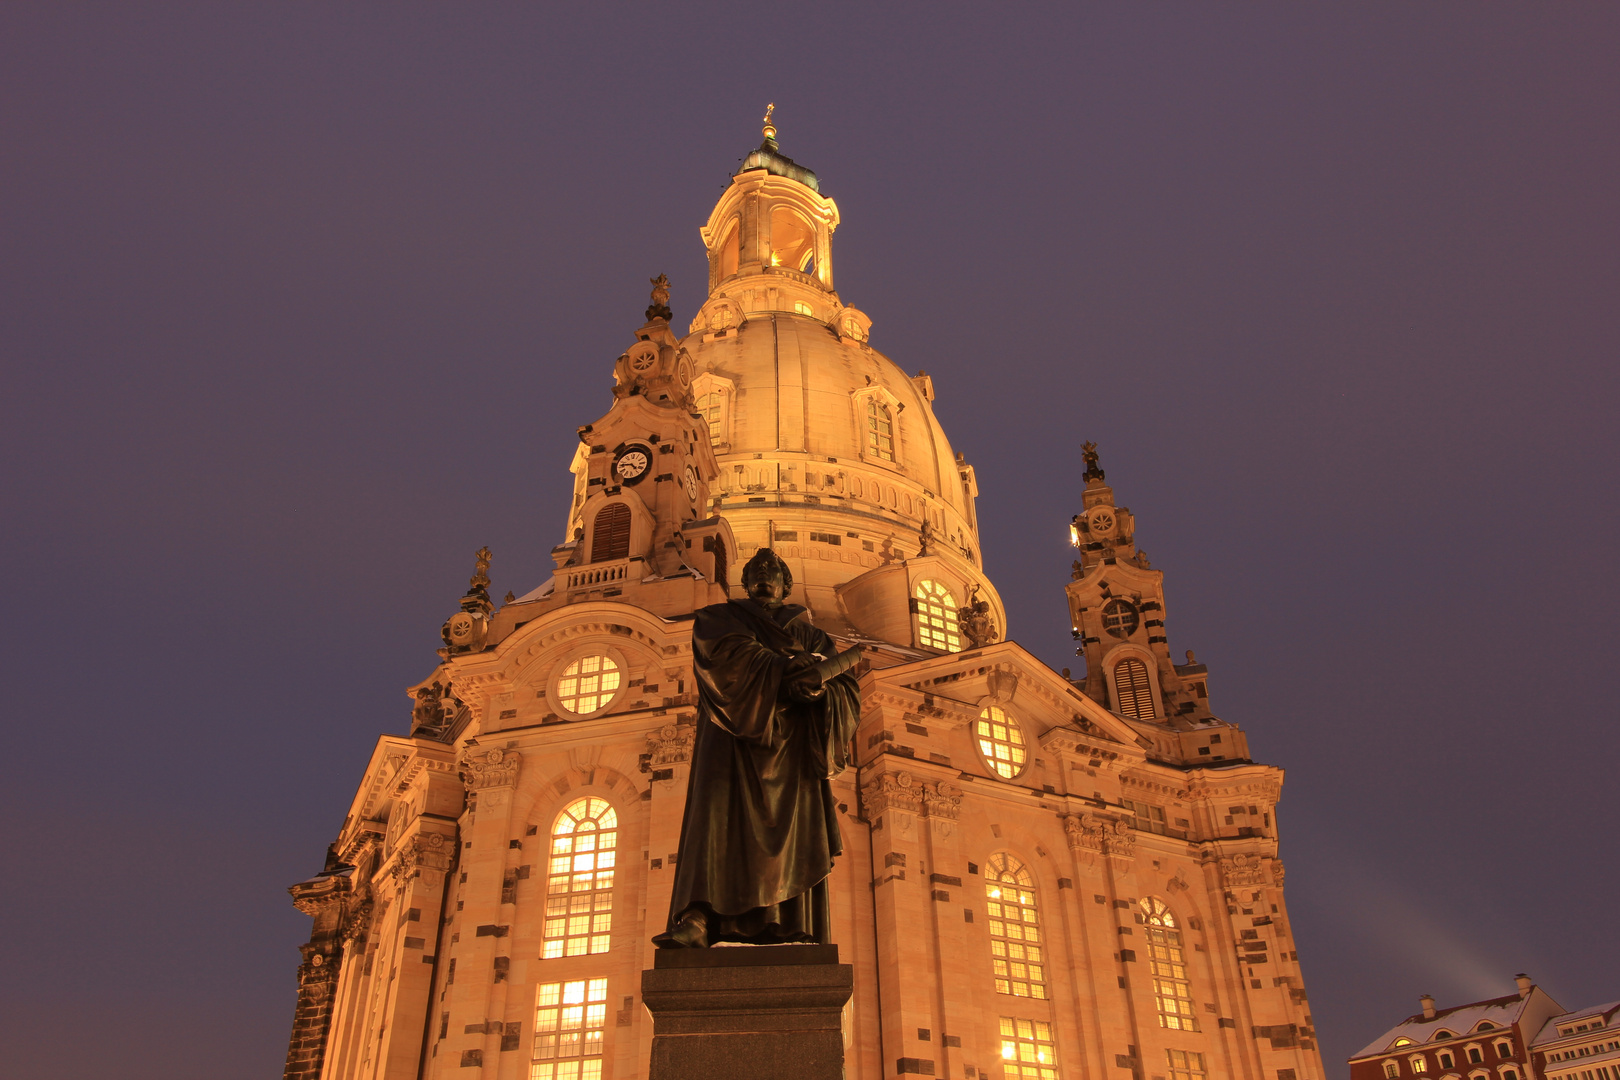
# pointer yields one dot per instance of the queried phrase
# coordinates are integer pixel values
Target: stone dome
(828, 451)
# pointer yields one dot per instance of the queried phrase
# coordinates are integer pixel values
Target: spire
(770, 158)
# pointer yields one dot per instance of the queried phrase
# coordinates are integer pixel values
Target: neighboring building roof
(1549, 1030)
(1462, 1020)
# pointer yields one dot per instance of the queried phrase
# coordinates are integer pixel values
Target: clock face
(690, 483)
(633, 464)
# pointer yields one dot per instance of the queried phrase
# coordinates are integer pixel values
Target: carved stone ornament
(426, 856)
(1243, 870)
(490, 768)
(1178, 883)
(1002, 683)
(670, 745)
(975, 623)
(1277, 873)
(942, 800)
(1085, 832)
(891, 791)
(1121, 840)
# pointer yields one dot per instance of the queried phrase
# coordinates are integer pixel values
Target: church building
(1043, 878)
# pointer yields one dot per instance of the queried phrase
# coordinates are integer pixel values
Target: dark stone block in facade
(736, 1013)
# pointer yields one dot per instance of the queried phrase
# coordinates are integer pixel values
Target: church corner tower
(1043, 878)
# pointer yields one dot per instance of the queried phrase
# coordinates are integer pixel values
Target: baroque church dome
(828, 451)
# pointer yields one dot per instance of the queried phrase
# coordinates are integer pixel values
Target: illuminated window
(708, 407)
(1119, 618)
(1186, 1065)
(937, 626)
(1027, 1052)
(803, 308)
(1015, 935)
(793, 241)
(579, 885)
(1133, 690)
(1392, 1070)
(1420, 1065)
(879, 429)
(1172, 990)
(588, 684)
(569, 1021)
(1001, 741)
(610, 536)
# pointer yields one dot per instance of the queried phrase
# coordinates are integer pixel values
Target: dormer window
(879, 429)
(1441, 1035)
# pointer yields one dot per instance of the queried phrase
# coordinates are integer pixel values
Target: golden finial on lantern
(770, 128)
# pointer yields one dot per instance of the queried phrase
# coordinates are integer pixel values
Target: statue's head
(766, 578)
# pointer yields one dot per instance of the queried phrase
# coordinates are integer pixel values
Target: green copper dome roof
(767, 157)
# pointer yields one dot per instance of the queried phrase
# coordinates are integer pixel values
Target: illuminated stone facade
(1043, 877)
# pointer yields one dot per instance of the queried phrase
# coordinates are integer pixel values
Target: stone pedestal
(748, 1013)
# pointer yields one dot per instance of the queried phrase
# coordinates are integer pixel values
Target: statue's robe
(761, 826)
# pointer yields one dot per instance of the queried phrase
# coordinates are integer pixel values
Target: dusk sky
(300, 304)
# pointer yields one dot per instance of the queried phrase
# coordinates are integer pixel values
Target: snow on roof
(1549, 1030)
(1461, 1020)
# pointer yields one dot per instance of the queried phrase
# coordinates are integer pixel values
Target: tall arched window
(1167, 963)
(1133, 690)
(879, 429)
(579, 885)
(708, 407)
(729, 249)
(937, 626)
(1015, 935)
(611, 539)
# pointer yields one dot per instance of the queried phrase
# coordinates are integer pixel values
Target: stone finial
(659, 308)
(770, 129)
(1089, 451)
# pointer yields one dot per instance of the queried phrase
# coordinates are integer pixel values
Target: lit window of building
(1420, 1064)
(937, 624)
(1167, 963)
(588, 684)
(1133, 690)
(579, 886)
(1015, 935)
(1186, 1065)
(1027, 1050)
(569, 1021)
(1001, 741)
(879, 429)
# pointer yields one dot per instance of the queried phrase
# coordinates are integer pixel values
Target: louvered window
(611, 539)
(1133, 691)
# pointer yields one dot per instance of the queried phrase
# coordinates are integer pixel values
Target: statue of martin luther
(777, 708)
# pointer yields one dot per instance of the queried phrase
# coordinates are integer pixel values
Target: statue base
(746, 1012)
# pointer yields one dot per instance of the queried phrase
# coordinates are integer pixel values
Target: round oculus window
(643, 357)
(1103, 522)
(588, 683)
(1001, 741)
(1120, 619)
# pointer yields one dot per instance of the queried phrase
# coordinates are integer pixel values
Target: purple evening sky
(300, 304)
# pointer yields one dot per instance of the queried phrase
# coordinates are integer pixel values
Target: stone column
(743, 1013)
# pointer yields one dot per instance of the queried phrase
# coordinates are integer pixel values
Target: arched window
(1133, 690)
(729, 248)
(879, 429)
(793, 241)
(1015, 935)
(579, 885)
(937, 626)
(588, 684)
(1001, 741)
(611, 540)
(1167, 963)
(708, 407)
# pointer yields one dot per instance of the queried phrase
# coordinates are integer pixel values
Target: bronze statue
(777, 708)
